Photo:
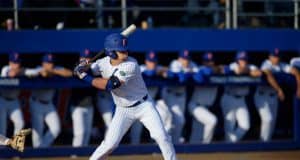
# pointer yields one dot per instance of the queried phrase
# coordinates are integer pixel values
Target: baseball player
(10, 104)
(151, 70)
(82, 109)
(204, 122)
(175, 96)
(236, 115)
(41, 104)
(122, 77)
(266, 97)
(295, 70)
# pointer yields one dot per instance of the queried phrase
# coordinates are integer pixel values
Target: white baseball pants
(147, 114)
(267, 107)
(82, 118)
(236, 117)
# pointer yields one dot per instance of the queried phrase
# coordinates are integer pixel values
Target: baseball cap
(48, 58)
(275, 52)
(86, 53)
(241, 55)
(208, 57)
(151, 56)
(184, 54)
(14, 57)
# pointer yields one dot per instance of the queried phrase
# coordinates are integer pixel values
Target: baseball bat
(129, 30)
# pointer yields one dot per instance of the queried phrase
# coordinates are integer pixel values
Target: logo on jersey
(122, 73)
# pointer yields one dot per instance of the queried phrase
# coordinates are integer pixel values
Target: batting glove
(79, 71)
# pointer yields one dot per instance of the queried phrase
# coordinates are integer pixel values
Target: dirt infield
(278, 155)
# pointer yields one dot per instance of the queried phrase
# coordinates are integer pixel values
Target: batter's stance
(122, 77)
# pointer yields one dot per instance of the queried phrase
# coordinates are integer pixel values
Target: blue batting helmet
(115, 42)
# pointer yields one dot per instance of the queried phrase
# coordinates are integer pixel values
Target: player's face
(14, 65)
(48, 66)
(184, 62)
(274, 59)
(150, 65)
(122, 55)
(242, 63)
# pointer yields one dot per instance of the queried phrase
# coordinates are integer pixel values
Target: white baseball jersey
(128, 72)
(8, 93)
(238, 90)
(295, 62)
(267, 65)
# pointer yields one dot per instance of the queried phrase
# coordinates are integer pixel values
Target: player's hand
(17, 142)
(79, 71)
(280, 95)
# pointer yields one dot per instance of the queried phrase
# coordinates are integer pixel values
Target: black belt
(40, 101)
(263, 93)
(138, 102)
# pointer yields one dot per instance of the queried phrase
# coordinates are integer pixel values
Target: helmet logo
(86, 52)
(186, 53)
(276, 51)
(50, 56)
(16, 55)
(124, 42)
(152, 55)
(209, 56)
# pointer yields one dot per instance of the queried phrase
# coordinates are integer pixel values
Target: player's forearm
(272, 81)
(255, 73)
(62, 72)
